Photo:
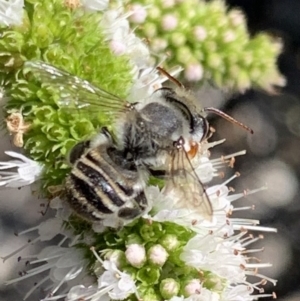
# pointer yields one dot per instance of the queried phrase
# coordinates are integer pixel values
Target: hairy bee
(153, 133)
(103, 183)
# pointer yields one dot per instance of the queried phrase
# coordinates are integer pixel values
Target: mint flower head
(65, 38)
(210, 42)
(171, 252)
(176, 250)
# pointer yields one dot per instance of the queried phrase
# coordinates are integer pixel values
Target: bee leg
(131, 213)
(78, 150)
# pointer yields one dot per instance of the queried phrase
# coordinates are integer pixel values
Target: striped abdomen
(98, 187)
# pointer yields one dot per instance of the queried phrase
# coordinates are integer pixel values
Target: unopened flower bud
(169, 288)
(169, 22)
(117, 47)
(157, 255)
(169, 242)
(136, 255)
(194, 72)
(192, 287)
(115, 256)
(200, 33)
(139, 13)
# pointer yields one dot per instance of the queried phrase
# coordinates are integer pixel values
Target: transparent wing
(74, 91)
(185, 183)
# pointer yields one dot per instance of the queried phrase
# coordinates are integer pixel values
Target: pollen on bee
(193, 149)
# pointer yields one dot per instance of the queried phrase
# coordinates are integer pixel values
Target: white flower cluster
(216, 247)
(219, 246)
(122, 39)
(27, 171)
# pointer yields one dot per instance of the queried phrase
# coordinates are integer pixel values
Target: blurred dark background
(274, 150)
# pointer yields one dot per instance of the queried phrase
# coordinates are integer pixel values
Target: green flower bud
(65, 146)
(149, 294)
(169, 288)
(148, 275)
(151, 232)
(215, 283)
(169, 242)
(184, 55)
(43, 113)
(177, 39)
(12, 41)
(81, 128)
(154, 12)
(150, 30)
(133, 238)
(54, 132)
(116, 256)
(42, 36)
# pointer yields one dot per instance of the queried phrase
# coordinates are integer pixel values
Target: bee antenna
(228, 118)
(170, 77)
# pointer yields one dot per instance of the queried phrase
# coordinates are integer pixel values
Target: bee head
(185, 102)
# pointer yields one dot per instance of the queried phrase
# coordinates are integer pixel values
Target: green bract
(71, 40)
(211, 42)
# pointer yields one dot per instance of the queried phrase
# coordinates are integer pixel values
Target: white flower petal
(106, 279)
(50, 228)
(95, 5)
(72, 257)
(27, 172)
(80, 291)
(17, 155)
(11, 12)
(126, 283)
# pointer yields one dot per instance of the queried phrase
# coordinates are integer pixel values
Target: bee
(157, 133)
(102, 183)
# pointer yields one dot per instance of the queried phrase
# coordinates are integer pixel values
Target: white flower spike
(28, 171)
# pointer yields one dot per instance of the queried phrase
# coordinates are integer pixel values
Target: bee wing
(74, 91)
(184, 182)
